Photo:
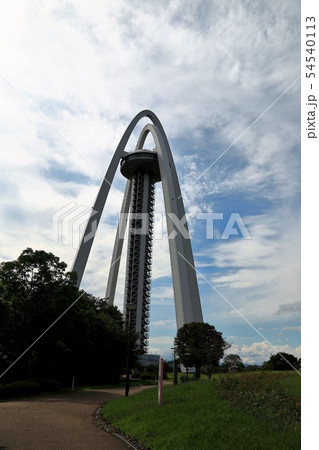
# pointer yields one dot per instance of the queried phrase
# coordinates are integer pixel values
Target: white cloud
(289, 308)
(161, 345)
(258, 352)
(262, 273)
(161, 323)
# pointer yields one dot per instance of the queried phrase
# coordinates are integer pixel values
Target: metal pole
(127, 381)
(160, 381)
(174, 367)
(174, 371)
(130, 308)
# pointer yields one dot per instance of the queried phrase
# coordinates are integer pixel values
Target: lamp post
(174, 367)
(130, 307)
(187, 364)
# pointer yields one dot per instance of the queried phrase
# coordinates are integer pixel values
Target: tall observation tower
(143, 168)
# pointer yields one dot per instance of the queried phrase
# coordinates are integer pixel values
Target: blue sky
(220, 75)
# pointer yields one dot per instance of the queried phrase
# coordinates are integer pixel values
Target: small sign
(188, 369)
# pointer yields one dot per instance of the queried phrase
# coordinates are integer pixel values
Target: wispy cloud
(289, 308)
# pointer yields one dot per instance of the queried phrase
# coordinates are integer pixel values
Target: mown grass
(196, 415)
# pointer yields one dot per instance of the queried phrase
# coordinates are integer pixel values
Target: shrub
(27, 387)
(184, 378)
(136, 375)
(148, 376)
(19, 388)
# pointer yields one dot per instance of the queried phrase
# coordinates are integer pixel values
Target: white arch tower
(143, 168)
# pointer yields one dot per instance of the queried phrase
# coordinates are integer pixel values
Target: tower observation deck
(141, 167)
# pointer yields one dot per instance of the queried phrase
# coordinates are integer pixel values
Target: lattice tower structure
(141, 167)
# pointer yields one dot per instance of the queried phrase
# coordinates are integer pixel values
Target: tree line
(89, 340)
(201, 346)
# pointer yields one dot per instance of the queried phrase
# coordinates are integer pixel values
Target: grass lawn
(197, 415)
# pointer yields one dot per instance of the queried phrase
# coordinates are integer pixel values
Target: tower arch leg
(118, 245)
(187, 301)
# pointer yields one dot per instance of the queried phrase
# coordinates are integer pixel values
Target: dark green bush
(48, 384)
(19, 388)
(184, 378)
(27, 387)
(148, 376)
(136, 375)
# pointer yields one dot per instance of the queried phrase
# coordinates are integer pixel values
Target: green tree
(200, 345)
(232, 360)
(281, 361)
(88, 341)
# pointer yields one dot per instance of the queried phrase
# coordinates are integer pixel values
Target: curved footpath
(59, 421)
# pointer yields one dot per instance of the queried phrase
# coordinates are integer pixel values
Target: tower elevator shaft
(139, 255)
(139, 167)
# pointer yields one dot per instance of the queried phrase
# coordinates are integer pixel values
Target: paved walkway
(58, 421)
